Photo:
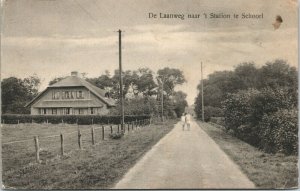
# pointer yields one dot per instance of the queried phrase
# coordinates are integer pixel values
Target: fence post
(128, 127)
(79, 139)
(111, 129)
(118, 128)
(102, 132)
(62, 144)
(93, 136)
(37, 149)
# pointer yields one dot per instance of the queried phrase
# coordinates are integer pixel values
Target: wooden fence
(127, 128)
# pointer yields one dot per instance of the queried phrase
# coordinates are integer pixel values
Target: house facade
(72, 96)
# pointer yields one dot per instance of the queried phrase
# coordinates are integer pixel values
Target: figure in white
(188, 120)
(183, 121)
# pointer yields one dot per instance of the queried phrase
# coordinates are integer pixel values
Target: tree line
(142, 91)
(258, 105)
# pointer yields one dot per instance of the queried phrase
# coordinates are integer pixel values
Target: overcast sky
(54, 37)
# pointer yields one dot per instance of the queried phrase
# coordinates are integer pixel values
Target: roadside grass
(266, 171)
(97, 166)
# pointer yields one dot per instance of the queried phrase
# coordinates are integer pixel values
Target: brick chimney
(74, 73)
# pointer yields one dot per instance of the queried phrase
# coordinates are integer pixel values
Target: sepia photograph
(149, 94)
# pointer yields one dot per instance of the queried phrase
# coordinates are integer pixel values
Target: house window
(92, 111)
(43, 111)
(66, 111)
(73, 94)
(55, 95)
(81, 111)
(54, 111)
(67, 95)
(80, 95)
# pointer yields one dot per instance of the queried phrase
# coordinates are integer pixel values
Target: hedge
(70, 119)
(218, 120)
(263, 118)
(279, 132)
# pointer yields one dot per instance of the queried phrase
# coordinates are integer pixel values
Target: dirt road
(185, 159)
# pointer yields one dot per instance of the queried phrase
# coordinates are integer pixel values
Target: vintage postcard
(149, 94)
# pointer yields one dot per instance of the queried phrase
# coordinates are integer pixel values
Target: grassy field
(93, 167)
(267, 171)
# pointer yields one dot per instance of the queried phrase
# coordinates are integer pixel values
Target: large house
(71, 96)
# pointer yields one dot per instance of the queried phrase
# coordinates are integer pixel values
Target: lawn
(267, 171)
(96, 166)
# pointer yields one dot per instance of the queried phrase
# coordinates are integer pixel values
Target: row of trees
(142, 90)
(259, 105)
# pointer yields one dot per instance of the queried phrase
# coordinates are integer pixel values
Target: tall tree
(145, 82)
(17, 92)
(170, 77)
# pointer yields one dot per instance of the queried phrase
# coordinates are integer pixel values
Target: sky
(51, 38)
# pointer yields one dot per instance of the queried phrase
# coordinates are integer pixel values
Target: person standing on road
(183, 121)
(188, 120)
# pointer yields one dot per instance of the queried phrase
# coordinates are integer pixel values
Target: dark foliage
(70, 119)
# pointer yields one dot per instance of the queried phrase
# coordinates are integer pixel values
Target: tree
(170, 77)
(17, 92)
(274, 75)
(56, 79)
(137, 106)
(32, 84)
(246, 76)
(180, 102)
(278, 74)
(145, 82)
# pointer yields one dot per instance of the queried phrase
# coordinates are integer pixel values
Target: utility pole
(162, 100)
(202, 93)
(121, 80)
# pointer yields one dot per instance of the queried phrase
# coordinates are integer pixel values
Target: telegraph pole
(202, 93)
(121, 80)
(162, 101)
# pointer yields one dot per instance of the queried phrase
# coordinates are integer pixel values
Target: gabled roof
(74, 81)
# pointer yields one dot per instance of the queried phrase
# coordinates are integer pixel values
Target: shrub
(279, 131)
(238, 112)
(269, 101)
(210, 112)
(218, 120)
(244, 112)
(116, 135)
